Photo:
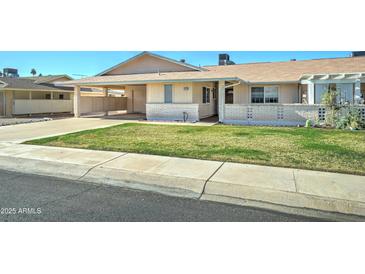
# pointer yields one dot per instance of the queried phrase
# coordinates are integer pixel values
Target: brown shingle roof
(46, 79)
(22, 83)
(290, 71)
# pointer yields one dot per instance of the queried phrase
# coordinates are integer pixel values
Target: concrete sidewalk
(210, 180)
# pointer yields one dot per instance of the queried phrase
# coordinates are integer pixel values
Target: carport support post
(357, 97)
(221, 100)
(30, 103)
(77, 101)
(106, 102)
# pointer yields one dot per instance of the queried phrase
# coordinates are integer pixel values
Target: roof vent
(10, 72)
(182, 60)
(293, 59)
(224, 60)
(358, 53)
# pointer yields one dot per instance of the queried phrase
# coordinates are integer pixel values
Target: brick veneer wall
(172, 112)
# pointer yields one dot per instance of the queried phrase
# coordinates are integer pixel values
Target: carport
(133, 101)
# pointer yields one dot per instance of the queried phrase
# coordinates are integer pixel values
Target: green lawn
(319, 149)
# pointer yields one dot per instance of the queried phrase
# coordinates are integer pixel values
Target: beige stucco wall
(2, 103)
(181, 93)
(147, 64)
(205, 110)
(136, 99)
(288, 93)
(90, 104)
(241, 94)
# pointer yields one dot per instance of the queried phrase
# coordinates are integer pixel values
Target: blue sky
(87, 63)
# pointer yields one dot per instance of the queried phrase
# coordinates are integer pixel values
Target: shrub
(349, 118)
(329, 99)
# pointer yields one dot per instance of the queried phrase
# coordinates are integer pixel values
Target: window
(48, 96)
(206, 95)
(261, 95)
(61, 97)
(257, 95)
(168, 94)
(271, 95)
(229, 96)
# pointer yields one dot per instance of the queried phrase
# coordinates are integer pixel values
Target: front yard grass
(304, 148)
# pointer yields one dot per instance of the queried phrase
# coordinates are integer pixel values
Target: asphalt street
(26, 197)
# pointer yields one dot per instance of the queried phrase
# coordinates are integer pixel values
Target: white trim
(119, 83)
(329, 76)
(45, 90)
(5, 84)
(233, 85)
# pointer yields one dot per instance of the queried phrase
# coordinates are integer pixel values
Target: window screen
(257, 95)
(271, 95)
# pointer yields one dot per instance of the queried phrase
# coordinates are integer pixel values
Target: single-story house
(43, 95)
(31, 95)
(278, 93)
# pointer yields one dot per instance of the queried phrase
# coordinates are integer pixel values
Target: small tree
(33, 72)
(329, 99)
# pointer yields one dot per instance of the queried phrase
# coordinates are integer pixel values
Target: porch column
(310, 93)
(77, 101)
(221, 100)
(106, 102)
(357, 93)
(9, 103)
(30, 103)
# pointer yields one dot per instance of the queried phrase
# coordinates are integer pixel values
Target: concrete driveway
(23, 132)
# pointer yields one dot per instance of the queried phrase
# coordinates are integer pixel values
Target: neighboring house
(33, 95)
(44, 95)
(279, 93)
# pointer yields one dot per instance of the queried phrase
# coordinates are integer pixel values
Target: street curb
(284, 198)
(42, 167)
(307, 212)
(169, 185)
(209, 189)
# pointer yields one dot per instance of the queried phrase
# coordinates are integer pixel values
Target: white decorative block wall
(271, 114)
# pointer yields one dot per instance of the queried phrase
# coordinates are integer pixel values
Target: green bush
(349, 118)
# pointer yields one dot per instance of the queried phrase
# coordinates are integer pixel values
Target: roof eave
(273, 82)
(31, 89)
(151, 81)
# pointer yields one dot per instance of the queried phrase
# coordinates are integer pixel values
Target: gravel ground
(15, 121)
